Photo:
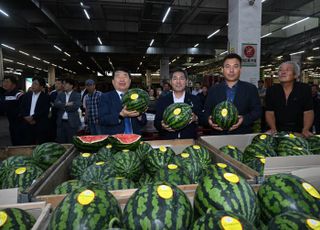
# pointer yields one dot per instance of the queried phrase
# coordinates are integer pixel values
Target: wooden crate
(40, 210)
(9, 151)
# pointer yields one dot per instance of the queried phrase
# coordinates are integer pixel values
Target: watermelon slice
(90, 143)
(125, 141)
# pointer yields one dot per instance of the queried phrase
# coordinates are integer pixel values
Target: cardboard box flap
(9, 196)
(312, 175)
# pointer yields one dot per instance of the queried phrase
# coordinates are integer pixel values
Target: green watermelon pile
(21, 171)
(225, 115)
(177, 115)
(136, 100)
(15, 218)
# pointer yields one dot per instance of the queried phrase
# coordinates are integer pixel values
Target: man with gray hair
(289, 104)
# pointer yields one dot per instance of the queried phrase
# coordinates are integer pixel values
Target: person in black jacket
(242, 94)
(178, 81)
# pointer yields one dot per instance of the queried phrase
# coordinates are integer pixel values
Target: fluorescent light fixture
(7, 60)
(144, 57)
(88, 68)
(4, 13)
(316, 48)
(173, 60)
(46, 62)
(57, 47)
(81, 3)
(214, 33)
(99, 74)
(79, 63)
(20, 63)
(38, 69)
(9, 47)
(227, 24)
(166, 15)
(67, 54)
(224, 52)
(262, 1)
(45, 70)
(196, 45)
(54, 65)
(310, 58)
(24, 53)
(30, 66)
(35, 57)
(279, 57)
(151, 43)
(99, 40)
(17, 73)
(136, 74)
(299, 52)
(295, 23)
(140, 63)
(86, 13)
(266, 35)
(60, 67)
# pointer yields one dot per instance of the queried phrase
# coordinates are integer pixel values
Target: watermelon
(217, 168)
(86, 208)
(80, 163)
(68, 186)
(257, 149)
(281, 193)
(125, 141)
(222, 220)
(201, 153)
(177, 115)
(158, 206)
(90, 143)
(314, 144)
(98, 172)
(293, 151)
(265, 139)
(191, 165)
(136, 100)
(232, 151)
(47, 153)
(225, 115)
(143, 149)
(105, 153)
(173, 174)
(222, 190)
(158, 158)
(22, 177)
(117, 183)
(145, 179)
(294, 221)
(15, 218)
(257, 163)
(128, 164)
(291, 141)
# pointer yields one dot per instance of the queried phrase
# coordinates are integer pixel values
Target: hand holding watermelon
(225, 117)
(166, 127)
(126, 113)
(237, 125)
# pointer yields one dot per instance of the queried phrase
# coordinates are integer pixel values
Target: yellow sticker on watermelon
(3, 218)
(222, 165)
(165, 192)
(230, 223)
(311, 190)
(134, 96)
(312, 223)
(21, 170)
(196, 147)
(231, 147)
(233, 178)
(224, 112)
(172, 166)
(185, 155)
(100, 163)
(109, 146)
(86, 197)
(163, 149)
(177, 111)
(86, 154)
(263, 136)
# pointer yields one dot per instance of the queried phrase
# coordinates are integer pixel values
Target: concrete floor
(4, 132)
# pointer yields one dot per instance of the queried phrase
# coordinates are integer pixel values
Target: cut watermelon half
(89, 139)
(125, 141)
(90, 143)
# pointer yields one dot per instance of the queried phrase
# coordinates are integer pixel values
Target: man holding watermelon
(113, 117)
(241, 98)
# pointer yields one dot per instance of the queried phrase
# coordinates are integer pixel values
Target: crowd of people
(36, 116)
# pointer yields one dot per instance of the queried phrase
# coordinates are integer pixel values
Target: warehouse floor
(4, 132)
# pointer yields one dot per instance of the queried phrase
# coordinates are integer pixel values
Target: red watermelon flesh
(89, 139)
(125, 141)
(127, 138)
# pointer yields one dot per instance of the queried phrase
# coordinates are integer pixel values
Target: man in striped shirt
(91, 105)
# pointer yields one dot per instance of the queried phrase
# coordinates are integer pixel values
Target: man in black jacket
(242, 94)
(178, 81)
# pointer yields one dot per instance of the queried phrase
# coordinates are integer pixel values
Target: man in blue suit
(178, 81)
(242, 94)
(113, 117)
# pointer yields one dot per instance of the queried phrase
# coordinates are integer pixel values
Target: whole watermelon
(125, 141)
(22, 177)
(281, 193)
(143, 149)
(127, 164)
(261, 149)
(173, 174)
(222, 190)
(47, 153)
(158, 158)
(294, 221)
(191, 165)
(68, 186)
(291, 141)
(265, 139)
(222, 220)
(257, 163)
(105, 153)
(98, 172)
(225, 115)
(15, 218)
(158, 206)
(86, 208)
(136, 100)
(314, 144)
(90, 143)
(145, 179)
(293, 151)
(177, 115)
(118, 183)
(201, 153)
(218, 168)
(80, 163)
(232, 151)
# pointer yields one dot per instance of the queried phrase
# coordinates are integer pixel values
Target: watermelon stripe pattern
(68, 187)
(177, 115)
(128, 164)
(118, 183)
(225, 115)
(80, 163)
(158, 158)
(98, 172)
(136, 100)
(17, 219)
(47, 153)
(173, 174)
(232, 151)
(201, 153)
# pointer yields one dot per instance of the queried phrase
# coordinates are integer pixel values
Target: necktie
(127, 123)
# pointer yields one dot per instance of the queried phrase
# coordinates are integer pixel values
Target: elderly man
(289, 104)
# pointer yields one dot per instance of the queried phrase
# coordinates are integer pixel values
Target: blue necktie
(127, 123)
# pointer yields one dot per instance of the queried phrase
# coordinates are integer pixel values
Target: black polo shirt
(289, 114)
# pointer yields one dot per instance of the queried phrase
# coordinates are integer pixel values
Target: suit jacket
(72, 111)
(109, 110)
(246, 100)
(190, 131)
(41, 110)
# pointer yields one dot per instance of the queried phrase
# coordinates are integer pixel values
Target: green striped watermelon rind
(225, 115)
(176, 176)
(17, 219)
(136, 100)
(181, 119)
(47, 153)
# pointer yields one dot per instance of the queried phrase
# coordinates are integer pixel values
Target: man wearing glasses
(178, 81)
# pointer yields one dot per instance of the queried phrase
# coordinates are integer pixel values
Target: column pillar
(164, 69)
(1, 65)
(244, 32)
(51, 75)
(148, 78)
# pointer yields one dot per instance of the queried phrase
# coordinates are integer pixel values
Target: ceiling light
(140, 63)
(166, 15)
(79, 63)
(7, 60)
(99, 40)
(86, 13)
(38, 69)
(35, 57)
(279, 57)
(46, 62)
(196, 45)
(174, 60)
(88, 68)
(30, 66)
(214, 33)
(224, 52)
(45, 70)
(24, 53)
(300, 52)
(67, 54)
(316, 48)
(310, 58)
(266, 35)
(81, 3)
(295, 23)
(9, 47)
(4, 13)
(54, 65)
(60, 67)
(262, 1)
(151, 43)
(57, 47)
(20, 63)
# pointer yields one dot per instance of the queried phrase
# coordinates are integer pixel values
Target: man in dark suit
(242, 94)
(34, 110)
(113, 118)
(68, 119)
(178, 81)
